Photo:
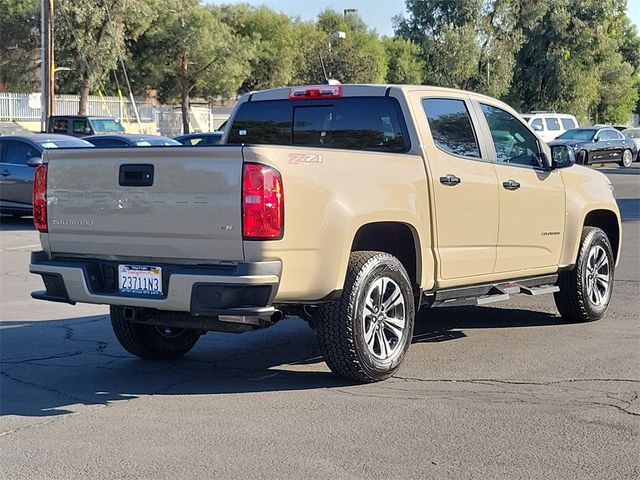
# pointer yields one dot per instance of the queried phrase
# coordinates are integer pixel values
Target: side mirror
(87, 130)
(34, 162)
(537, 127)
(562, 156)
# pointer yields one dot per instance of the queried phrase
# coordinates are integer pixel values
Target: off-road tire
(149, 341)
(339, 326)
(628, 160)
(573, 301)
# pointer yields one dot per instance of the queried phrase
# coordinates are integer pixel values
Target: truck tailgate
(100, 207)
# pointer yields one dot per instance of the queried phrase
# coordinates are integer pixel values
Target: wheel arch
(607, 221)
(396, 238)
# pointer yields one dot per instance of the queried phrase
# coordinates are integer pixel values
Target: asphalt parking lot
(507, 391)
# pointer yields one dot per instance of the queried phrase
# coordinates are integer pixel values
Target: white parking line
(23, 247)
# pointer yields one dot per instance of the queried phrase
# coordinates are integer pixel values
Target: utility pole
(47, 64)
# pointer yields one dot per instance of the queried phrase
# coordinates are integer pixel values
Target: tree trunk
(184, 93)
(84, 98)
(184, 105)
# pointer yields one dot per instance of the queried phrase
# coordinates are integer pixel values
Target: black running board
(491, 292)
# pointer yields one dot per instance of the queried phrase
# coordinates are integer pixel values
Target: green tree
(360, 57)
(189, 52)
(617, 93)
(20, 44)
(404, 63)
(469, 44)
(272, 39)
(91, 38)
(571, 60)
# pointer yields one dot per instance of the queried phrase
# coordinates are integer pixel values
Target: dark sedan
(200, 139)
(599, 145)
(18, 157)
(130, 140)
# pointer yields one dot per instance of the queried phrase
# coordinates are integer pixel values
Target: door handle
(511, 185)
(5, 173)
(136, 175)
(449, 180)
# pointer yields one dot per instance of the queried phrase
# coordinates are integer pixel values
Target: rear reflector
(262, 203)
(315, 91)
(40, 198)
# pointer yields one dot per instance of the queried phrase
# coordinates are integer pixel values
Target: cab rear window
(356, 123)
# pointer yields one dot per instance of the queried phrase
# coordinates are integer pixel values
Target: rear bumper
(245, 288)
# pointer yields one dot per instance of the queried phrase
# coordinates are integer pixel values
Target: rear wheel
(585, 291)
(151, 341)
(365, 334)
(627, 159)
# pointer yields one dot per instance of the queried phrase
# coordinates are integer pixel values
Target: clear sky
(376, 13)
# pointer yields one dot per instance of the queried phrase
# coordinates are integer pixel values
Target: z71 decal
(305, 158)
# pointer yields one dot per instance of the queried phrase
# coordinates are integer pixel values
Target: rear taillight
(40, 198)
(262, 203)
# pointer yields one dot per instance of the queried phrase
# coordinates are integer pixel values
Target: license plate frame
(141, 280)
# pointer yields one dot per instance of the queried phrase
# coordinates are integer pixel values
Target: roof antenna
(324, 70)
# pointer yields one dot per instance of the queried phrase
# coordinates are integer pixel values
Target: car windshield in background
(66, 143)
(148, 142)
(577, 134)
(107, 125)
(357, 123)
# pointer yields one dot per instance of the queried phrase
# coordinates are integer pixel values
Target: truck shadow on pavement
(58, 367)
(15, 224)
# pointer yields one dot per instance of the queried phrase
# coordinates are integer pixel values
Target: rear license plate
(140, 280)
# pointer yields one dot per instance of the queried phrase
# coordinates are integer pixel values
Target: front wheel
(585, 291)
(151, 341)
(365, 334)
(627, 159)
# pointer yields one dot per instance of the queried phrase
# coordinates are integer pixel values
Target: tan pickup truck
(350, 206)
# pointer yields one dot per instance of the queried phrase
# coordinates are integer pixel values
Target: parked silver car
(18, 155)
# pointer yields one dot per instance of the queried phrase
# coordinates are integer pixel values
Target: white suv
(550, 125)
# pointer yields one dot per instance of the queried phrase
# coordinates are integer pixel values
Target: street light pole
(47, 64)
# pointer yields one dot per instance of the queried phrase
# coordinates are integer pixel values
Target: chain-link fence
(25, 107)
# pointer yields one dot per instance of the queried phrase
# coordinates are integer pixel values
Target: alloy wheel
(598, 276)
(384, 318)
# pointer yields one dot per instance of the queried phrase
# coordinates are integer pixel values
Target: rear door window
(568, 123)
(451, 126)
(552, 123)
(79, 126)
(608, 135)
(18, 153)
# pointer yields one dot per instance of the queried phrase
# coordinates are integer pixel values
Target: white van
(550, 125)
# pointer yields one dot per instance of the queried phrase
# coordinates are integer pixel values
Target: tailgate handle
(136, 175)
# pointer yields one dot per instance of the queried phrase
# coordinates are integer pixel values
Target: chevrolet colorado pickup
(351, 206)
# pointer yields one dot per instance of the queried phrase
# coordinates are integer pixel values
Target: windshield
(577, 134)
(107, 125)
(156, 141)
(66, 143)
